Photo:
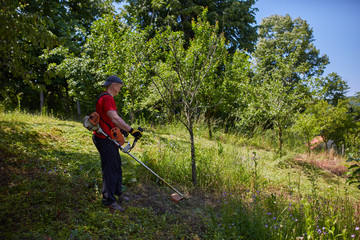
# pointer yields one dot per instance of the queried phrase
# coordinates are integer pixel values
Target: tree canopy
(236, 19)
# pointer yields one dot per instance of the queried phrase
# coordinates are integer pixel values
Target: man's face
(117, 88)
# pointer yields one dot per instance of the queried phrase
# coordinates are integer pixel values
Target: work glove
(124, 133)
(137, 133)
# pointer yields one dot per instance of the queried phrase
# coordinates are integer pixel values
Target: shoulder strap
(102, 94)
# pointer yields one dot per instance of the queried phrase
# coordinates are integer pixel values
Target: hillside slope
(51, 181)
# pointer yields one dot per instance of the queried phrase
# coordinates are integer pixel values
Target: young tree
(306, 125)
(275, 102)
(181, 75)
(333, 122)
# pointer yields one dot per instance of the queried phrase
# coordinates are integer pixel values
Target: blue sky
(336, 30)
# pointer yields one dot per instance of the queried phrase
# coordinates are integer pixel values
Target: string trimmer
(92, 123)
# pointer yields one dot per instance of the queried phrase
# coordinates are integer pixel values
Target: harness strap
(102, 94)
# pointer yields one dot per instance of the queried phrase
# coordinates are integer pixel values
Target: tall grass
(261, 196)
(255, 194)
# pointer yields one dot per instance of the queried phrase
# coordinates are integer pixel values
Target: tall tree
(236, 18)
(334, 88)
(286, 50)
(36, 25)
(286, 62)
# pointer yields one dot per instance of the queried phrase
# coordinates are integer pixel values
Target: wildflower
(357, 229)
(296, 220)
(266, 225)
(269, 213)
(353, 235)
(274, 218)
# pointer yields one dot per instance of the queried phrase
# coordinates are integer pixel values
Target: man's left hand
(137, 133)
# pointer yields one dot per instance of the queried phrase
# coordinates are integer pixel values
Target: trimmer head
(176, 198)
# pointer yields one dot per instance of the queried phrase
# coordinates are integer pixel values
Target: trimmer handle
(129, 146)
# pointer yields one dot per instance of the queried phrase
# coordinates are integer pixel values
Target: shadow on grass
(50, 192)
(42, 187)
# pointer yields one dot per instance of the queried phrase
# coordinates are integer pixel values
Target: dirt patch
(327, 161)
(193, 211)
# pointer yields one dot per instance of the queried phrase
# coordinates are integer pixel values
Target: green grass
(51, 183)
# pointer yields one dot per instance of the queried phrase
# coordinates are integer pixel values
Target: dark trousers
(111, 169)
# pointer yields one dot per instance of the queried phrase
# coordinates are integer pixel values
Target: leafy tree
(111, 48)
(353, 141)
(21, 34)
(236, 18)
(235, 97)
(37, 25)
(286, 62)
(180, 76)
(353, 136)
(285, 50)
(334, 88)
(275, 102)
(333, 122)
(306, 125)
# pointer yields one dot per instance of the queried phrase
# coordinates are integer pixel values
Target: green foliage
(268, 215)
(354, 172)
(31, 27)
(285, 51)
(186, 74)
(333, 122)
(307, 126)
(333, 88)
(285, 62)
(235, 18)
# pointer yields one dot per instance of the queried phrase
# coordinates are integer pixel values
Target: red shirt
(106, 103)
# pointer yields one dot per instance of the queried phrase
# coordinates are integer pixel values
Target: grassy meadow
(51, 186)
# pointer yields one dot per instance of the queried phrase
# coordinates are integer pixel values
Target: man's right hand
(137, 133)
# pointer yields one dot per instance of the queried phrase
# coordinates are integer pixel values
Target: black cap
(112, 79)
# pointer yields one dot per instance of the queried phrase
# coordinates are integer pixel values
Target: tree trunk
(132, 115)
(280, 141)
(208, 122)
(41, 100)
(325, 142)
(193, 162)
(78, 108)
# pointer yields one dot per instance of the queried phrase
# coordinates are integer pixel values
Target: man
(109, 152)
